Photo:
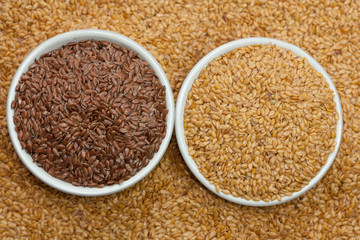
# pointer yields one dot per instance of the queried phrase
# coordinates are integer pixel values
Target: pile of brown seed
(260, 122)
(90, 113)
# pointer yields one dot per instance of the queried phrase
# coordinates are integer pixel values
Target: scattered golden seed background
(169, 203)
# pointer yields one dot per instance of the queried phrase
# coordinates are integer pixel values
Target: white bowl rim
(55, 43)
(182, 98)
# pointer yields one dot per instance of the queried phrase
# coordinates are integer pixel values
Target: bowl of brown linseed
(90, 112)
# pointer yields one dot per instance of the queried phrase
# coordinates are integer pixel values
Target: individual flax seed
(260, 122)
(90, 113)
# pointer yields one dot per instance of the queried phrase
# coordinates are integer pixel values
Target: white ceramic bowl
(76, 36)
(182, 98)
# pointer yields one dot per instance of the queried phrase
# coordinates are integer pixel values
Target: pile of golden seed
(260, 122)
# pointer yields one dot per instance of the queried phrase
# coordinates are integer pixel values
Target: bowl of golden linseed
(259, 121)
(90, 112)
